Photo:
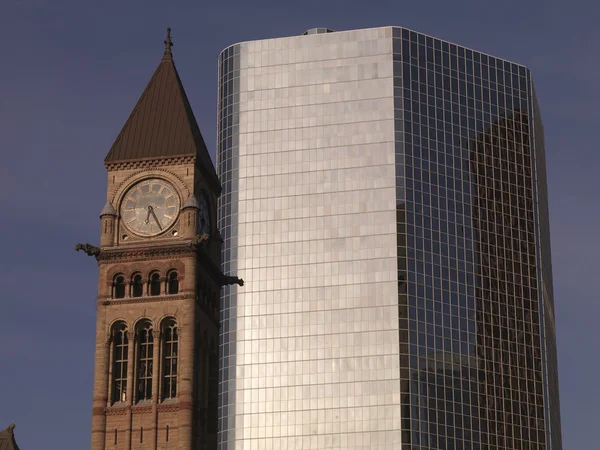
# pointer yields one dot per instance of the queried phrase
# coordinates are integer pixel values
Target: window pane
(119, 382)
(169, 376)
(119, 287)
(145, 354)
(173, 285)
(155, 284)
(136, 290)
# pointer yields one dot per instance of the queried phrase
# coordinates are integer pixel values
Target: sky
(72, 71)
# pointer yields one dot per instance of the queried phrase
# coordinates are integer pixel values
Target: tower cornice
(147, 252)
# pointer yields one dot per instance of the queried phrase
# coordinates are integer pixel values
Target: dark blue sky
(72, 71)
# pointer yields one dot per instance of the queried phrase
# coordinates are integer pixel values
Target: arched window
(155, 284)
(136, 285)
(120, 342)
(119, 286)
(172, 283)
(170, 359)
(145, 349)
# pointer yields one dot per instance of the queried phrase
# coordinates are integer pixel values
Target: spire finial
(168, 43)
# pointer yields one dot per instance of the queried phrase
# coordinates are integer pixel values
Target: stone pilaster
(185, 379)
(163, 285)
(130, 384)
(111, 353)
(156, 334)
(100, 395)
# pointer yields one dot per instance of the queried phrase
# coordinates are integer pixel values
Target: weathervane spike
(168, 43)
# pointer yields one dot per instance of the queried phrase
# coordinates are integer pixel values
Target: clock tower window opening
(145, 366)
(120, 343)
(155, 284)
(204, 225)
(172, 282)
(119, 286)
(170, 359)
(137, 285)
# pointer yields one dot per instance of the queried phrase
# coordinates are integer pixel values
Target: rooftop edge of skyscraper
(392, 28)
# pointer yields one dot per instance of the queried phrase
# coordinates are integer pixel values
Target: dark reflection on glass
(472, 370)
(508, 336)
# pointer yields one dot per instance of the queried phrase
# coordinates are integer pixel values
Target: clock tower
(156, 360)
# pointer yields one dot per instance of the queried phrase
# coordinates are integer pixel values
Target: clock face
(150, 207)
(203, 216)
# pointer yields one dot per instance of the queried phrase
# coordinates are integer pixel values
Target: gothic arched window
(170, 358)
(136, 285)
(119, 286)
(172, 283)
(155, 284)
(145, 351)
(120, 343)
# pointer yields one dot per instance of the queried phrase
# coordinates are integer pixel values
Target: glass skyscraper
(384, 199)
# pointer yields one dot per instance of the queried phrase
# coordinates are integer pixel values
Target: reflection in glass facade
(384, 199)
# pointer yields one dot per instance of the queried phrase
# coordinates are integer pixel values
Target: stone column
(111, 353)
(185, 378)
(156, 368)
(100, 395)
(163, 285)
(130, 382)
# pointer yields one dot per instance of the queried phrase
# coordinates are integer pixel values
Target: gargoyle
(201, 239)
(88, 249)
(226, 280)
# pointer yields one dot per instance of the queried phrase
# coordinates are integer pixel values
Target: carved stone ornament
(116, 411)
(201, 239)
(173, 407)
(150, 163)
(226, 280)
(141, 409)
(147, 299)
(147, 254)
(88, 249)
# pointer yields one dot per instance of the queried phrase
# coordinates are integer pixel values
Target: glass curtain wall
(384, 199)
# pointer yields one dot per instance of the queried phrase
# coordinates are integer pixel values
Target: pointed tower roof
(191, 202)
(108, 210)
(162, 124)
(7, 439)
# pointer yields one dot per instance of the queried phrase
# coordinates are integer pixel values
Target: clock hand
(155, 218)
(147, 221)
